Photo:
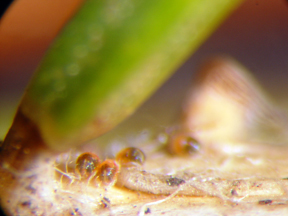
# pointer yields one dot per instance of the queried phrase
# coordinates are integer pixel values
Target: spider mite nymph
(107, 173)
(130, 157)
(109, 169)
(183, 144)
(86, 165)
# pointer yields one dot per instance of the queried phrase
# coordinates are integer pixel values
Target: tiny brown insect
(131, 157)
(87, 164)
(107, 173)
(183, 144)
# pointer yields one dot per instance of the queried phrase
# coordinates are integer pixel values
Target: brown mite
(107, 173)
(130, 157)
(183, 144)
(87, 165)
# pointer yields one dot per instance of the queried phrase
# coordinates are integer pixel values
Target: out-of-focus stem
(110, 58)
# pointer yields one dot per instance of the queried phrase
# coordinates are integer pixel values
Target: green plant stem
(109, 59)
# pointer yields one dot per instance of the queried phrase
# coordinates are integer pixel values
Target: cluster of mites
(90, 167)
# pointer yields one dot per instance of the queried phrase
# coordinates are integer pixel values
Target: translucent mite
(107, 173)
(130, 157)
(183, 144)
(87, 165)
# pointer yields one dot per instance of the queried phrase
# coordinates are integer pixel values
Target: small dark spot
(105, 202)
(172, 181)
(265, 202)
(281, 203)
(32, 177)
(106, 199)
(76, 212)
(234, 192)
(147, 211)
(31, 189)
(26, 204)
(286, 178)
(255, 184)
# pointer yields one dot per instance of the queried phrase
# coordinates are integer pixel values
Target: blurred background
(256, 34)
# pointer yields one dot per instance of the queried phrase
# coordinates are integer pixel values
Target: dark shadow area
(2, 212)
(4, 4)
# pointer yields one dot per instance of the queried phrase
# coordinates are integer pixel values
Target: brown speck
(265, 202)
(26, 204)
(106, 199)
(76, 212)
(32, 177)
(234, 192)
(174, 181)
(286, 178)
(147, 211)
(31, 189)
(105, 202)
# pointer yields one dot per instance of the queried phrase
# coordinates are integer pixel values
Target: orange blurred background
(256, 34)
(26, 30)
